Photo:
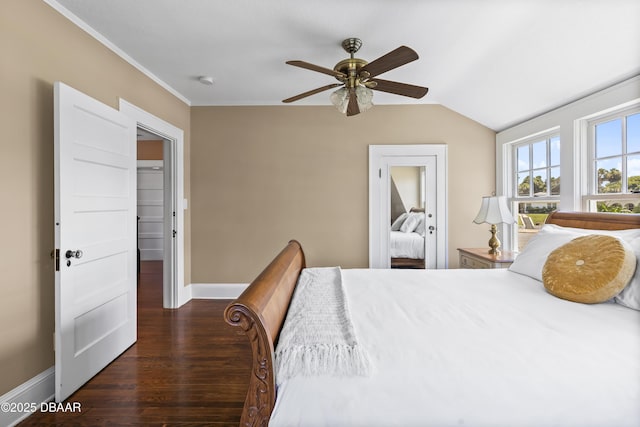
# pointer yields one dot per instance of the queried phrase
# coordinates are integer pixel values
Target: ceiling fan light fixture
(340, 98)
(364, 95)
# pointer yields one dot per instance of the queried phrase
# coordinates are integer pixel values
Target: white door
(414, 180)
(431, 157)
(429, 192)
(95, 235)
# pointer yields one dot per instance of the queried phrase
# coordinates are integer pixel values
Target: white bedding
(406, 245)
(474, 348)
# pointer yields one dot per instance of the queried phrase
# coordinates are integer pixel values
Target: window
(599, 159)
(614, 163)
(536, 182)
(538, 168)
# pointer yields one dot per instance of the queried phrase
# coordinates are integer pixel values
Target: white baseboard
(217, 290)
(184, 295)
(33, 392)
(210, 291)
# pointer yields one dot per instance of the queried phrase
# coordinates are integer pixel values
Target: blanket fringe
(328, 359)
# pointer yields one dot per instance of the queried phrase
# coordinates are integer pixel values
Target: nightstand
(480, 258)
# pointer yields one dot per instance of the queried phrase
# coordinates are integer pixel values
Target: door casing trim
(173, 269)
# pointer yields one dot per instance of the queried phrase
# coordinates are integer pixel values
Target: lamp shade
(494, 210)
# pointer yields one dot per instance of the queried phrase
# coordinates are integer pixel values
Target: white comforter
(406, 245)
(475, 348)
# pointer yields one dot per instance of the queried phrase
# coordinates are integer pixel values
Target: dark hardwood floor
(188, 367)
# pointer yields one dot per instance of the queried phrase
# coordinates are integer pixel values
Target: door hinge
(55, 255)
(379, 173)
(174, 233)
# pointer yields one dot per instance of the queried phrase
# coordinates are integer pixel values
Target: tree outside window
(538, 165)
(615, 148)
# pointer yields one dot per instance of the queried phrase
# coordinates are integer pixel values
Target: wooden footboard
(260, 311)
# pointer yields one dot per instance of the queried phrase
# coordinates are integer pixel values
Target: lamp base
(494, 242)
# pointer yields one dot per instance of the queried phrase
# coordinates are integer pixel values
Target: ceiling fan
(357, 78)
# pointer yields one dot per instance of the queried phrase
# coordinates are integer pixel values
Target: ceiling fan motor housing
(351, 45)
(350, 67)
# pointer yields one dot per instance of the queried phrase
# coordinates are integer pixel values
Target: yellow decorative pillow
(589, 269)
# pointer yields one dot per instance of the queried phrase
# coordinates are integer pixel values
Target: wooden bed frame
(260, 310)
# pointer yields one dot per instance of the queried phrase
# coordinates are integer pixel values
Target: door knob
(73, 254)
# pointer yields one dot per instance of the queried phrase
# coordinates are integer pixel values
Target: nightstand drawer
(480, 258)
(468, 262)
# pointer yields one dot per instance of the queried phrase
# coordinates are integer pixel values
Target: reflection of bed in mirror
(406, 243)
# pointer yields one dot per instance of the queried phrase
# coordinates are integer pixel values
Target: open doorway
(172, 205)
(151, 211)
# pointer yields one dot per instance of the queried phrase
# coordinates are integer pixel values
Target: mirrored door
(407, 211)
(412, 215)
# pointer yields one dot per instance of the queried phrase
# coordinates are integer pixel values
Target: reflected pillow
(589, 269)
(398, 222)
(411, 223)
(421, 228)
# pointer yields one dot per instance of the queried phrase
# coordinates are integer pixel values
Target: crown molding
(107, 43)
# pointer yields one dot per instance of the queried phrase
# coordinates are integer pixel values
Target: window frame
(513, 180)
(589, 195)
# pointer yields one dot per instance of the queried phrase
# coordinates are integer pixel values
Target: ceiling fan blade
(352, 107)
(311, 92)
(394, 59)
(317, 68)
(399, 88)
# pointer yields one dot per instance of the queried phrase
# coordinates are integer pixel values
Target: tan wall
(150, 150)
(264, 175)
(39, 46)
(407, 180)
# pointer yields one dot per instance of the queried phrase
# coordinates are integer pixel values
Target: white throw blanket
(318, 336)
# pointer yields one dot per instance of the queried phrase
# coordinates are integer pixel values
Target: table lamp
(494, 211)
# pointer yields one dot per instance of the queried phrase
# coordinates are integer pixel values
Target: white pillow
(411, 223)
(532, 258)
(399, 221)
(421, 228)
(630, 295)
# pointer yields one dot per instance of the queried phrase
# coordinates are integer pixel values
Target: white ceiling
(498, 62)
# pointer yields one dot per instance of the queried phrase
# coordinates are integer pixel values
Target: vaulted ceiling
(498, 62)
